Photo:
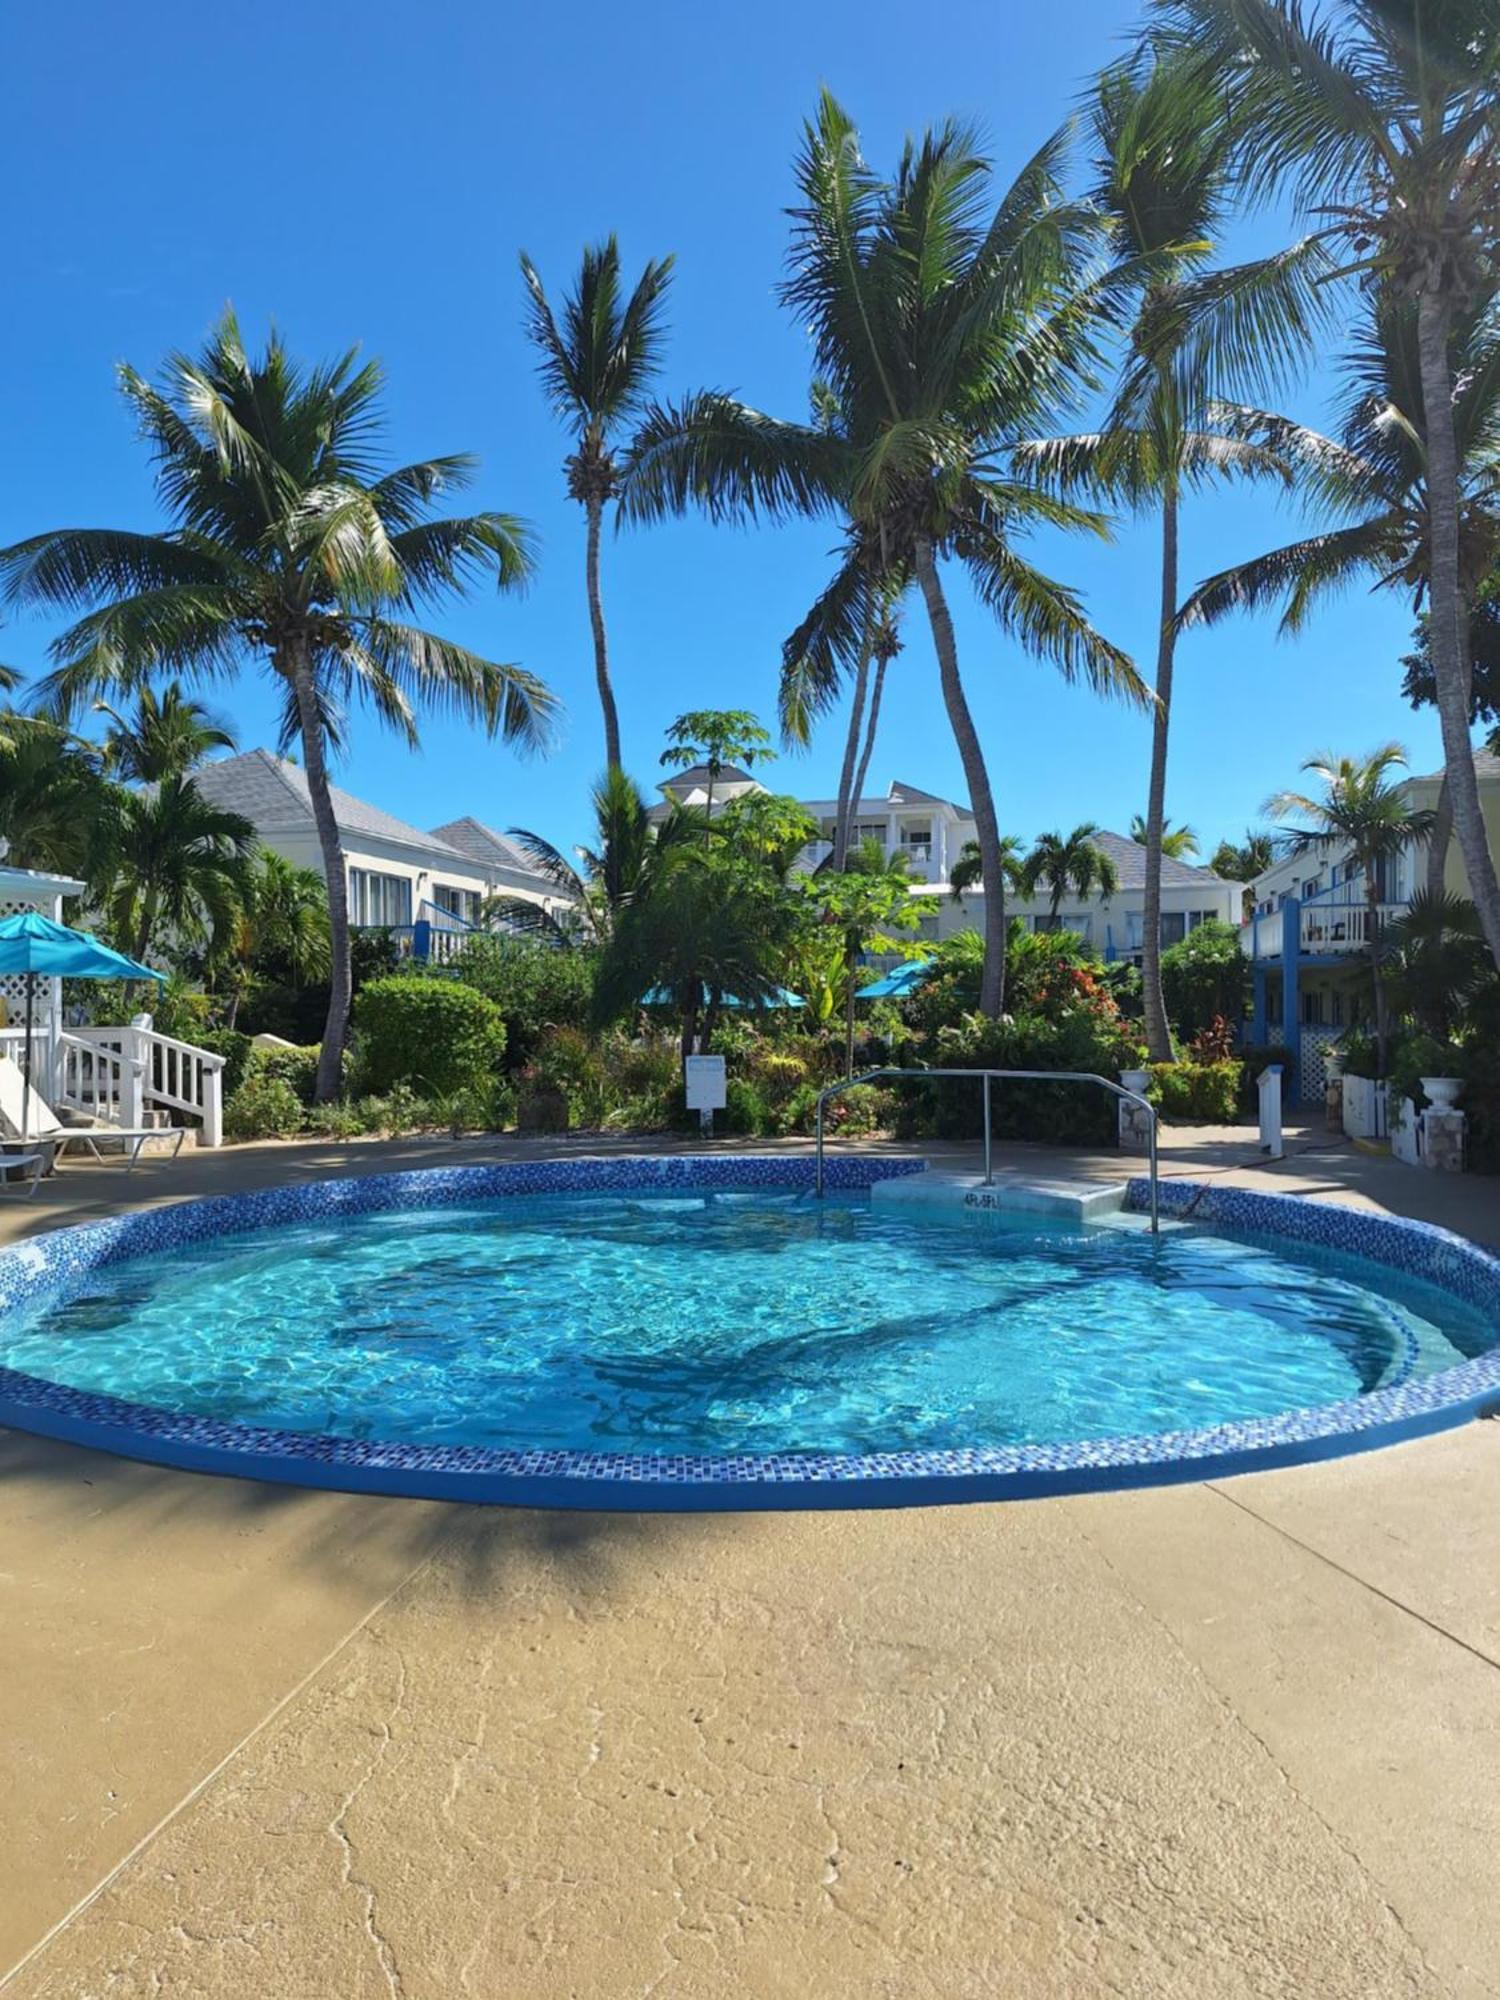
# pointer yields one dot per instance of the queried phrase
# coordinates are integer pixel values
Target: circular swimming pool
(708, 1332)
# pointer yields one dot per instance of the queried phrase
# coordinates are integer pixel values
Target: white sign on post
(703, 1083)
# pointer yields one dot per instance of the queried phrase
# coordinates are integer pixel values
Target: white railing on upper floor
(1336, 921)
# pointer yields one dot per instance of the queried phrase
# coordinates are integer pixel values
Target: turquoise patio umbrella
(34, 947)
(900, 980)
(779, 996)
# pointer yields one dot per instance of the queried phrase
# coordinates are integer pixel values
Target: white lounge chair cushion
(18, 1102)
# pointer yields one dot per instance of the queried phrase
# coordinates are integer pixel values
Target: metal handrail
(1010, 1075)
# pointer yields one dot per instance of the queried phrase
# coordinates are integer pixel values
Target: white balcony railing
(1329, 925)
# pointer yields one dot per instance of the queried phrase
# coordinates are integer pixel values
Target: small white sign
(703, 1081)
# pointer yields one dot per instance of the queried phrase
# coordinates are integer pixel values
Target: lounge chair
(22, 1110)
(9, 1162)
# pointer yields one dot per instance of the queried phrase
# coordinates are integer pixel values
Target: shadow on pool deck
(1060, 1749)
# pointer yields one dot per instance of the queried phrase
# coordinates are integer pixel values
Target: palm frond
(733, 462)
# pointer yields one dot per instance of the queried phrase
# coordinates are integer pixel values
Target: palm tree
(289, 546)
(1200, 331)
(1385, 119)
(1177, 842)
(967, 871)
(871, 894)
(1437, 961)
(178, 867)
(1371, 477)
(596, 368)
(1366, 816)
(607, 877)
(1059, 859)
(948, 326)
(1242, 861)
(280, 927)
(53, 798)
(168, 736)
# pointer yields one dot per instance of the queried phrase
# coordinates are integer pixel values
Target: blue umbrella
(33, 945)
(662, 996)
(902, 979)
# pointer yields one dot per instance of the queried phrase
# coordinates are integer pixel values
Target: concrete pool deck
(1227, 1739)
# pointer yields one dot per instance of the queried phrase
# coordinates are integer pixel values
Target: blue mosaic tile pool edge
(618, 1480)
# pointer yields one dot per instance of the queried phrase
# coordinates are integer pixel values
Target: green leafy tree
(607, 875)
(1437, 962)
(1382, 117)
(1362, 814)
(1204, 976)
(596, 367)
(1201, 331)
(870, 896)
(1370, 479)
(168, 735)
(178, 868)
(1177, 842)
(291, 547)
(715, 737)
(949, 325)
(1058, 859)
(279, 931)
(1242, 861)
(54, 799)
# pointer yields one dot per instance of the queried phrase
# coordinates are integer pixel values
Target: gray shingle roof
(1129, 858)
(481, 843)
(1486, 769)
(271, 792)
(913, 795)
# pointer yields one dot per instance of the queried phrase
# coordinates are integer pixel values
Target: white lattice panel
(1311, 1075)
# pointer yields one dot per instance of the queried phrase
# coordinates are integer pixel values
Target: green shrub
(297, 1066)
(572, 1061)
(435, 1032)
(535, 986)
(1207, 974)
(1197, 1093)
(263, 1108)
(340, 1122)
(1086, 1034)
(745, 1110)
(235, 1048)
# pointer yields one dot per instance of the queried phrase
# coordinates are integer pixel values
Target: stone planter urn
(1333, 1064)
(1442, 1091)
(1135, 1079)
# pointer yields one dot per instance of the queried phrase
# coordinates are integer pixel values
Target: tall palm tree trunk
(877, 688)
(601, 640)
(340, 971)
(1445, 612)
(1158, 1031)
(981, 800)
(848, 792)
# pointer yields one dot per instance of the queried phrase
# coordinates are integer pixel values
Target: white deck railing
(118, 1075)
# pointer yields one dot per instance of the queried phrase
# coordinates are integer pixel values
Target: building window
(460, 903)
(1336, 1009)
(378, 900)
(1173, 927)
(1273, 1005)
(1312, 1009)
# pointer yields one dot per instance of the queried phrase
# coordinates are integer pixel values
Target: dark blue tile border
(678, 1483)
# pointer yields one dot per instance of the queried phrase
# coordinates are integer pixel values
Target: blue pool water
(745, 1322)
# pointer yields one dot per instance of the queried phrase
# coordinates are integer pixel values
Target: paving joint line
(1364, 1583)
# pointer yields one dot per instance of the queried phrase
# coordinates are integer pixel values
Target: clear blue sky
(368, 174)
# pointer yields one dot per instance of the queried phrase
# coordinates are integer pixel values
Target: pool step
(1068, 1200)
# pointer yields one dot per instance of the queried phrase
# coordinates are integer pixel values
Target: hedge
(433, 1033)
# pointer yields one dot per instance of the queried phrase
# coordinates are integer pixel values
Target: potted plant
(1434, 1064)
